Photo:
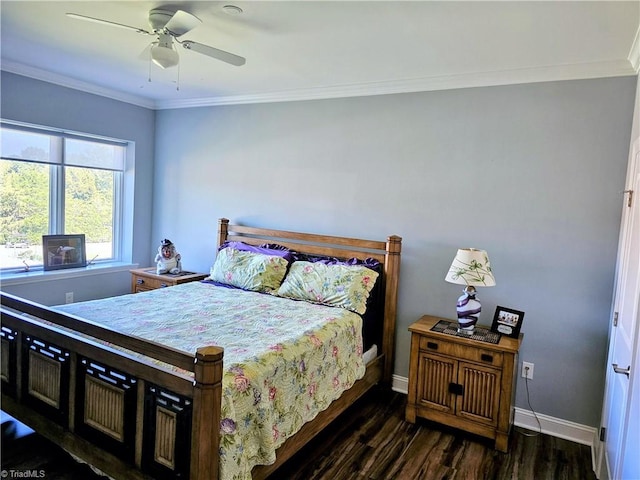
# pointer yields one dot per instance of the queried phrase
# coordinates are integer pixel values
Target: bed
(136, 406)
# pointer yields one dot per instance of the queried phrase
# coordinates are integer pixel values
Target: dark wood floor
(372, 441)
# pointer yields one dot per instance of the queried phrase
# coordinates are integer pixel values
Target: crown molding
(446, 82)
(616, 68)
(634, 53)
(64, 81)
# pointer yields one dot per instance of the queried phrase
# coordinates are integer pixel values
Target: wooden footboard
(80, 393)
(133, 418)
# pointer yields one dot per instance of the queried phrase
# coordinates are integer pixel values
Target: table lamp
(470, 267)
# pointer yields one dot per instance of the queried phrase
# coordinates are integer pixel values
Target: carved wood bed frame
(132, 419)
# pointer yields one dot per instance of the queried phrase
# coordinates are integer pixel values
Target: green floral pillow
(346, 286)
(248, 270)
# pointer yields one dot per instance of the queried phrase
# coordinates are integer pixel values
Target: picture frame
(507, 321)
(64, 251)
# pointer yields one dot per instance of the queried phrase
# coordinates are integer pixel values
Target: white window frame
(121, 195)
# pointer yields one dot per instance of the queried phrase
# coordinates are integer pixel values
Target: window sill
(34, 276)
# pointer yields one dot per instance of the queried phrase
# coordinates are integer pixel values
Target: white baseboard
(556, 427)
(400, 384)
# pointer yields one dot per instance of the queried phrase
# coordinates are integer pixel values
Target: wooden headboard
(386, 252)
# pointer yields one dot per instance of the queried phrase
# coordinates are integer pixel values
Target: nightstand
(143, 279)
(463, 382)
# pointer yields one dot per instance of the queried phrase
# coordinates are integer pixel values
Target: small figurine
(168, 260)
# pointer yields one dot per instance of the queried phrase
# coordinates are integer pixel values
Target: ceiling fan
(168, 26)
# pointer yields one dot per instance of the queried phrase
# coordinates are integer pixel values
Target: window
(57, 182)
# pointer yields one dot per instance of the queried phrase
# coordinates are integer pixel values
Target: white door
(618, 418)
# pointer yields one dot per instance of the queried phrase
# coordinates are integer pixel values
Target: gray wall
(540, 166)
(32, 101)
(51, 291)
(531, 173)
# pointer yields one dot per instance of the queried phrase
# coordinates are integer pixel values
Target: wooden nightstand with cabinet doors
(466, 383)
(143, 279)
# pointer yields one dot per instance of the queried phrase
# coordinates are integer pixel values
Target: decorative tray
(480, 334)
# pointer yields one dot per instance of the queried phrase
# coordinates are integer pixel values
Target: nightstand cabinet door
(480, 399)
(436, 374)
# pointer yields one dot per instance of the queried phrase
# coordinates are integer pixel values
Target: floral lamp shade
(470, 267)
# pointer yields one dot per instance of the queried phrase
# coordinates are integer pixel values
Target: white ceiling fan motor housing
(159, 18)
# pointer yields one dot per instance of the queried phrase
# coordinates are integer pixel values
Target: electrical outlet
(527, 370)
(68, 297)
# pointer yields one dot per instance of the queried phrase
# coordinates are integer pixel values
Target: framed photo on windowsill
(63, 251)
(507, 321)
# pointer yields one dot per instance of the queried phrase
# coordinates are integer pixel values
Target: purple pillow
(266, 249)
(371, 263)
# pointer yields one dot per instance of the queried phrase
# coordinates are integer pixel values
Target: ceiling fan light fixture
(163, 53)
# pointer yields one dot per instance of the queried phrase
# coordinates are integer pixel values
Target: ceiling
(320, 49)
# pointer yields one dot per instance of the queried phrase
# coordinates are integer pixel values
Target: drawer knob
(140, 281)
(486, 358)
(432, 345)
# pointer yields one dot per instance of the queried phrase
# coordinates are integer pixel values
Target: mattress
(284, 360)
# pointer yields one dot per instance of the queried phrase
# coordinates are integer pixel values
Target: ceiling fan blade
(106, 22)
(146, 53)
(214, 53)
(182, 22)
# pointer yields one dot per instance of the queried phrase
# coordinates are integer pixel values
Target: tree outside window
(57, 183)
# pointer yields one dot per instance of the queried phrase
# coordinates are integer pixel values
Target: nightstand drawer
(145, 283)
(144, 279)
(480, 355)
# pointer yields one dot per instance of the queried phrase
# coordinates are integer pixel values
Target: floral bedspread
(284, 360)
